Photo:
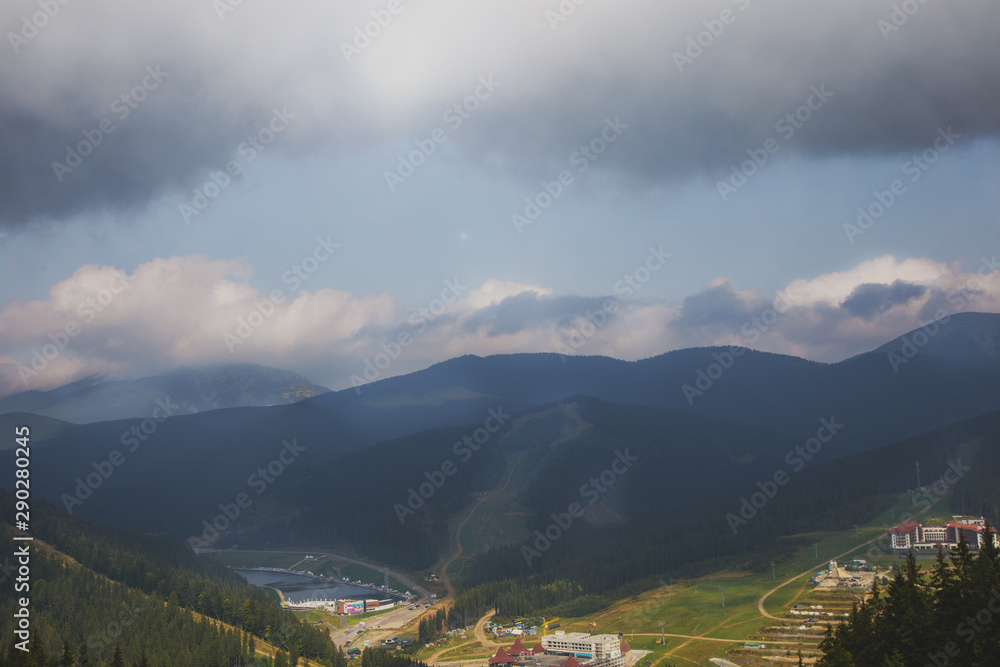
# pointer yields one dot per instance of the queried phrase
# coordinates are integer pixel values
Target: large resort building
(912, 535)
(574, 649)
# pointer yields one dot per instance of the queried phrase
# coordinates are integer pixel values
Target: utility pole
(661, 632)
(722, 589)
(856, 535)
(816, 547)
(773, 576)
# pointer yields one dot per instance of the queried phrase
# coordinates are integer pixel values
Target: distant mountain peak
(105, 397)
(967, 338)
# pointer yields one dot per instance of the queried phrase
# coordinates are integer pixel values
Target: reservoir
(302, 588)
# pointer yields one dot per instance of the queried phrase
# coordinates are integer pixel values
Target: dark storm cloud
(719, 307)
(528, 310)
(757, 81)
(883, 91)
(870, 299)
(164, 145)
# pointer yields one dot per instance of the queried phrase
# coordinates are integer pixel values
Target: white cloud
(832, 288)
(182, 311)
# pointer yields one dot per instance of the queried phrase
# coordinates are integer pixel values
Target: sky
(358, 190)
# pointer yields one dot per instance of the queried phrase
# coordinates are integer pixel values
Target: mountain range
(704, 421)
(102, 398)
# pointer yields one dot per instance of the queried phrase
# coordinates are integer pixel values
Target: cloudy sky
(310, 185)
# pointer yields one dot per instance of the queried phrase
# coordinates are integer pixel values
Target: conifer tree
(67, 658)
(117, 659)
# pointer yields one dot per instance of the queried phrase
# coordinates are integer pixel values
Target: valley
(499, 334)
(478, 500)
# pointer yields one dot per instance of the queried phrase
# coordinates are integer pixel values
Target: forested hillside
(99, 587)
(588, 566)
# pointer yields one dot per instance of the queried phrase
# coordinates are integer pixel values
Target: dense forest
(948, 618)
(587, 567)
(135, 594)
(667, 527)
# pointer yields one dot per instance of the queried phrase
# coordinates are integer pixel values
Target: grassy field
(693, 608)
(690, 610)
(315, 616)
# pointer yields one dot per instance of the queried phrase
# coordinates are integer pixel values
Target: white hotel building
(593, 650)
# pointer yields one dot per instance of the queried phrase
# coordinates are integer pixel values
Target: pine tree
(83, 654)
(36, 652)
(117, 659)
(67, 659)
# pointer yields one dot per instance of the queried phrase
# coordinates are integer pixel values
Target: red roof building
(912, 535)
(517, 648)
(569, 662)
(501, 658)
(538, 649)
(905, 535)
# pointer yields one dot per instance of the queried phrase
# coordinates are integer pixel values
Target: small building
(350, 606)
(518, 649)
(501, 658)
(912, 535)
(971, 520)
(585, 650)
